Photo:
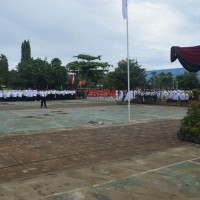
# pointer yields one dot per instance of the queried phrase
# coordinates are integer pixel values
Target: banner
(81, 82)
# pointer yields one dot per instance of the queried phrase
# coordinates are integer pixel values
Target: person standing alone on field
(43, 95)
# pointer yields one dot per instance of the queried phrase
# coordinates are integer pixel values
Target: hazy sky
(65, 28)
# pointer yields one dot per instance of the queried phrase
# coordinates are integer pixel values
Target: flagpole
(125, 16)
(128, 64)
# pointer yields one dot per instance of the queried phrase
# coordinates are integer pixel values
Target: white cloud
(65, 28)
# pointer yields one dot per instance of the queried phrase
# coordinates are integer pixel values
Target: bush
(196, 93)
(191, 122)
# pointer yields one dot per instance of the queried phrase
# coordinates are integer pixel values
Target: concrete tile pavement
(100, 162)
(28, 155)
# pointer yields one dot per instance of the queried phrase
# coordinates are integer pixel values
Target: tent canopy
(189, 57)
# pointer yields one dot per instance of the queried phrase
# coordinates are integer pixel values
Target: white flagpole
(125, 15)
(128, 66)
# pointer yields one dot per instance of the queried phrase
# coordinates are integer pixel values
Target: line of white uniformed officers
(32, 95)
(168, 95)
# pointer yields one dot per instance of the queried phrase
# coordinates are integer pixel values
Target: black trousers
(43, 101)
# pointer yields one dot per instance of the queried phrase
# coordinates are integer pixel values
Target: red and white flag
(124, 8)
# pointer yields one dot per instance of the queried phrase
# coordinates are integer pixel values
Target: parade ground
(87, 150)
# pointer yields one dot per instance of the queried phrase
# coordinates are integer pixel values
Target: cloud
(67, 28)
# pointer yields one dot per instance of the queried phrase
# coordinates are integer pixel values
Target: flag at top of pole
(124, 8)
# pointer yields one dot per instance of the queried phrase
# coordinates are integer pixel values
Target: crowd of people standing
(145, 95)
(119, 95)
(32, 95)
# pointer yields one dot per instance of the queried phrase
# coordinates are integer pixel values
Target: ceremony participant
(7, 95)
(1, 95)
(117, 95)
(182, 97)
(154, 95)
(190, 95)
(130, 95)
(49, 95)
(30, 95)
(43, 95)
(134, 94)
(19, 95)
(14, 95)
(23, 95)
(35, 95)
(142, 96)
(178, 93)
(158, 93)
(162, 95)
(53, 94)
(169, 97)
(187, 97)
(175, 96)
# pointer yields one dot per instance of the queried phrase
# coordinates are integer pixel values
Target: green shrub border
(190, 125)
(188, 137)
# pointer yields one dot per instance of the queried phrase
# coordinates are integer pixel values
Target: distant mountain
(175, 72)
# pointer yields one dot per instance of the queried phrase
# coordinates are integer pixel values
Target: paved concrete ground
(140, 160)
(83, 113)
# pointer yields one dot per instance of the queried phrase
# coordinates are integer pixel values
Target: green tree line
(41, 74)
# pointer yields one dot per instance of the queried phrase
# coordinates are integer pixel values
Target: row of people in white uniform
(122, 95)
(31, 95)
(168, 95)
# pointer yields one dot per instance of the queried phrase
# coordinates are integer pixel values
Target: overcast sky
(65, 28)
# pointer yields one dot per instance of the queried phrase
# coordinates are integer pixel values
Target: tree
(24, 68)
(118, 79)
(153, 80)
(58, 73)
(87, 57)
(165, 80)
(161, 80)
(39, 74)
(25, 51)
(4, 73)
(14, 78)
(89, 70)
(188, 80)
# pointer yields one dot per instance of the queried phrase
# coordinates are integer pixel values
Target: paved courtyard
(86, 150)
(63, 114)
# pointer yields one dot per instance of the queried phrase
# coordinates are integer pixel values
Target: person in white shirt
(1, 96)
(43, 95)
(182, 97)
(158, 95)
(154, 95)
(34, 95)
(19, 95)
(118, 95)
(142, 96)
(53, 92)
(130, 96)
(178, 93)
(14, 95)
(169, 98)
(187, 97)
(8, 94)
(175, 96)
(30, 95)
